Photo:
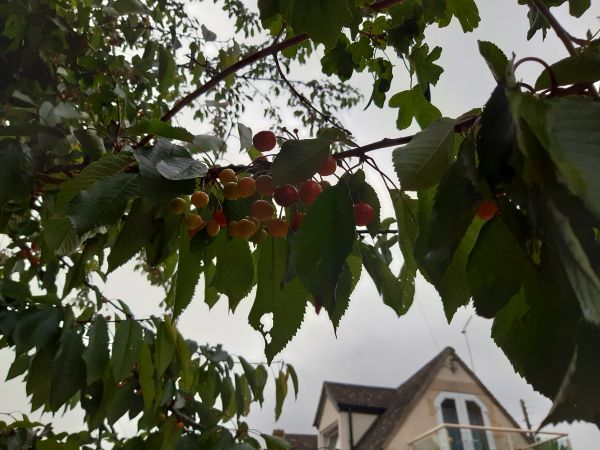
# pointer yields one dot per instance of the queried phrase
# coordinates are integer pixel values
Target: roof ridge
(379, 430)
(359, 385)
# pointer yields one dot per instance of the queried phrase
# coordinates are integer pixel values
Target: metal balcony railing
(471, 437)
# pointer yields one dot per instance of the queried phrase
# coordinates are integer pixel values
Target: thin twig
(311, 108)
(562, 34)
(214, 81)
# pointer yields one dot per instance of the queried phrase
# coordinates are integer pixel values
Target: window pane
(450, 415)
(479, 437)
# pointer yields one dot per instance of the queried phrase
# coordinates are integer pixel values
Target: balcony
(471, 437)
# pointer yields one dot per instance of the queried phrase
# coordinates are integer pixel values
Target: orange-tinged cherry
(200, 199)
(246, 228)
(233, 228)
(180, 425)
(230, 191)
(363, 214)
(264, 185)
(278, 228)
(264, 141)
(212, 228)
(328, 167)
(297, 220)
(260, 236)
(227, 176)
(309, 191)
(262, 210)
(285, 195)
(487, 209)
(246, 187)
(194, 222)
(220, 218)
(177, 205)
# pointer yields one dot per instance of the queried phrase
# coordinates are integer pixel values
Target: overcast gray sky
(373, 346)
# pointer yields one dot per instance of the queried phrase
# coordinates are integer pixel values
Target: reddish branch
(378, 5)
(387, 142)
(214, 81)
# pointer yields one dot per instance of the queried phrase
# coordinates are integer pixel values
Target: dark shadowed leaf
(297, 161)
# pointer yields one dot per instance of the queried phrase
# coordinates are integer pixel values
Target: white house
(443, 406)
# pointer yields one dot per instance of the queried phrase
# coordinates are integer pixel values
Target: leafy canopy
(499, 206)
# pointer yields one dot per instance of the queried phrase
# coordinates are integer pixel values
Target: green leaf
(16, 170)
(104, 203)
(164, 350)
(578, 7)
(105, 167)
(294, 376)
(67, 370)
(19, 366)
(35, 328)
(412, 104)
(187, 276)
(135, 233)
(568, 130)
(281, 390)
(387, 284)
(91, 143)
(287, 302)
(465, 11)
(581, 68)
(578, 267)
(207, 143)
(495, 59)
(181, 169)
(579, 395)
(324, 241)
(126, 7)
(245, 136)
(424, 67)
(96, 353)
(235, 269)
(157, 127)
(349, 277)
(167, 69)
(339, 60)
(146, 370)
(126, 347)
(323, 21)
(491, 283)
(276, 443)
(250, 373)
(421, 163)
(297, 161)
(154, 187)
(243, 397)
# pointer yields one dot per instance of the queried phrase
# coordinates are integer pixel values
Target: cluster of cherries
(262, 221)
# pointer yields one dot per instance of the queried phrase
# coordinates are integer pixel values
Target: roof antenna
(464, 332)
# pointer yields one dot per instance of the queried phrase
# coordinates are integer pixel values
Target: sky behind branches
(372, 346)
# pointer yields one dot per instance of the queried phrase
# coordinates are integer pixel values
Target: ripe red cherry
(264, 141)
(220, 218)
(309, 191)
(297, 220)
(328, 167)
(363, 214)
(285, 195)
(487, 209)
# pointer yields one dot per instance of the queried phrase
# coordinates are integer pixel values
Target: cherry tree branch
(214, 81)
(378, 5)
(562, 34)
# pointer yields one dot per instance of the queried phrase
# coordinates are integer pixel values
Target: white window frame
(460, 400)
(328, 431)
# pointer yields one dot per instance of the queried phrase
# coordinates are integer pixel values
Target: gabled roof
(302, 441)
(391, 405)
(355, 397)
(408, 394)
(405, 397)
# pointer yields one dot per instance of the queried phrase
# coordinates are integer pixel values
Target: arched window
(464, 409)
